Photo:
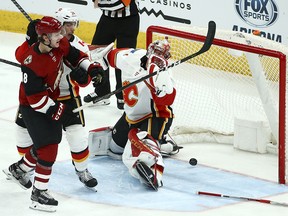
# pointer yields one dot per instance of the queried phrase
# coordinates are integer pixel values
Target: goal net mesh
(220, 85)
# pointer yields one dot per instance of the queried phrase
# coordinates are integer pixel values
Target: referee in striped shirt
(119, 21)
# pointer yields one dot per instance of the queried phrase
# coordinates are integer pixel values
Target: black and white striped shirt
(116, 8)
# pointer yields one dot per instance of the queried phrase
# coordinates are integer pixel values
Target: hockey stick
(10, 62)
(243, 198)
(206, 46)
(21, 10)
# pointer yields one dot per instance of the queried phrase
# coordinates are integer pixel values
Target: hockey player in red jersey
(43, 115)
(69, 94)
(140, 135)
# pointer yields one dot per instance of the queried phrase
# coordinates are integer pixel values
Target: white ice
(238, 169)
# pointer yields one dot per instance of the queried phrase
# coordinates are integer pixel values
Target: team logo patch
(28, 60)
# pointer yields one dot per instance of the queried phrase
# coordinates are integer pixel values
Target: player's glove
(56, 111)
(31, 35)
(96, 73)
(79, 75)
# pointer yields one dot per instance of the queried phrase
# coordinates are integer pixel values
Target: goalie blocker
(100, 142)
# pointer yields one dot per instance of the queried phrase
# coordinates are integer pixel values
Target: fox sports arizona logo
(258, 13)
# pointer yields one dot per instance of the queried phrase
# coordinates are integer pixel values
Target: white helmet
(159, 48)
(66, 15)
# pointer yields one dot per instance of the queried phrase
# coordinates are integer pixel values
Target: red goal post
(231, 60)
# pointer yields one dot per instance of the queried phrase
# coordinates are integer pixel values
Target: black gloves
(56, 112)
(96, 73)
(79, 75)
(31, 35)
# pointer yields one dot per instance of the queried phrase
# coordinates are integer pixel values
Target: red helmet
(48, 25)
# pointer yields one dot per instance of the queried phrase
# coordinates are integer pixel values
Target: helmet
(48, 25)
(66, 15)
(159, 48)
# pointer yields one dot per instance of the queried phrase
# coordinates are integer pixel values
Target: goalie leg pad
(142, 142)
(115, 151)
(146, 175)
(99, 140)
(148, 163)
(147, 158)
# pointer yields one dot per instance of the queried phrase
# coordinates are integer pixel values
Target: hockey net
(242, 76)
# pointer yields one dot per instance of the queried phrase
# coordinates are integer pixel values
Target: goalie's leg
(143, 159)
(159, 128)
(100, 142)
(109, 141)
(146, 175)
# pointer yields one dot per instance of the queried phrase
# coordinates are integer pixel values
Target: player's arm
(21, 50)
(77, 58)
(112, 57)
(38, 97)
(36, 92)
(31, 38)
(162, 85)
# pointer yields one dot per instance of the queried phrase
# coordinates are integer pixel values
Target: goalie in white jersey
(140, 134)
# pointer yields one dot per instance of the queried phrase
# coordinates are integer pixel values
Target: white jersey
(64, 83)
(140, 100)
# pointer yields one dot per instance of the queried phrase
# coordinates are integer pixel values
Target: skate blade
(146, 180)
(9, 177)
(8, 174)
(91, 188)
(101, 104)
(41, 207)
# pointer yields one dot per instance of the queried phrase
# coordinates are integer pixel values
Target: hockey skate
(43, 201)
(169, 148)
(147, 176)
(16, 174)
(87, 179)
(9, 175)
(93, 96)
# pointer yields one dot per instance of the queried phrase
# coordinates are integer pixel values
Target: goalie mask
(158, 53)
(67, 15)
(159, 48)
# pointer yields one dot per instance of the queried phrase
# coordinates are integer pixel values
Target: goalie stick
(206, 46)
(21, 10)
(243, 198)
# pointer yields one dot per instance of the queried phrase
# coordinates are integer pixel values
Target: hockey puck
(193, 161)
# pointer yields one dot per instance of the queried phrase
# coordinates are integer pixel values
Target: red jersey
(41, 73)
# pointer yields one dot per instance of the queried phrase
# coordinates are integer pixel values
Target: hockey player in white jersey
(140, 135)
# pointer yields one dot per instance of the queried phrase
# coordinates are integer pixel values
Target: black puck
(193, 161)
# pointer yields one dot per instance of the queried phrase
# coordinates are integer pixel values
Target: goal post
(242, 76)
